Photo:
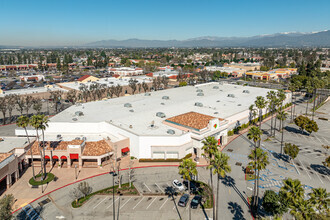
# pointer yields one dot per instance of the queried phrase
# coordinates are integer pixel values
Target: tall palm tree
(271, 96)
(23, 122)
(221, 167)
(309, 90)
(187, 168)
(302, 209)
(292, 88)
(252, 113)
(320, 198)
(260, 103)
(35, 122)
(43, 125)
(259, 161)
(282, 116)
(210, 148)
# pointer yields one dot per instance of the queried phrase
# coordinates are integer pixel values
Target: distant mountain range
(288, 39)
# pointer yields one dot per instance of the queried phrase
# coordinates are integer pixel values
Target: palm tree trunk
(314, 103)
(41, 157)
(257, 196)
(275, 125)
(291, 106)
(34, 176)
(212, 191)
(43, 149)
(255, 177)
(271, 123)
(307, 106)
(217, 204)
(282, 137)
(189, 195)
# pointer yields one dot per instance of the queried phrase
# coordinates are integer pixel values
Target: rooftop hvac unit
(131, 110)
(170, 131)
(239, 104)
(147, 94)
(199, 90)
(74, 119)
(218, 100)
(231, 95)
(216, 113)
(215, 87)
(128, 105)
(79, 113)
(166, 97)
(246, 91)
(199, 104)
(200, 94)
(162, 103)
(160, 114)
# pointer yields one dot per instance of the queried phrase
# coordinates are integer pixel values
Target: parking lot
(138, 207)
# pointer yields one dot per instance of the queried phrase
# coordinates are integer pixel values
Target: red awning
(55, 157)
(124, 150)
(74, 156)
(47, 157)
(63, 157)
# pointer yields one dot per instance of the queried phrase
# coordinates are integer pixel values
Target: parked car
(177, 184)
(195, 201)
(194, 186)
(183, 200)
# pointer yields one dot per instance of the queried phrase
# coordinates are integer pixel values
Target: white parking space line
(112, 203)
(168, 185)
(318, 139)
(318, 176)
(100, 203)
(151, 202)
(295, 167)
(325, 140)
(304, 169)
(138, 203)
(147, 186)
(163, 204)
(159, 188)
(125, 203)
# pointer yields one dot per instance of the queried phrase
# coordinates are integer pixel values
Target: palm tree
(35, 122)
(43, 125)
(23, 122)
(187, 168)
(254, 134)
(292, 190)
(260, 103)
(302, 209)
(320, 198)
(292, 87)
(271, 96)
(221, 167)
(252, 113)
(210, 148)
(282, 116)
(259, 162)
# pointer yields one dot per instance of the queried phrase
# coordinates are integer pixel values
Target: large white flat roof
(9, 143)
(181, 100)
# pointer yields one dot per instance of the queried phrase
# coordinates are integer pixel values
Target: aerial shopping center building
(162, 124)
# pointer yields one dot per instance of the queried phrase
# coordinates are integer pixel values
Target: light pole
(75, 170)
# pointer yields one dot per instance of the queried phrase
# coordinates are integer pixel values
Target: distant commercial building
(236, 72)
(87, 78)
(33, 78)
(246, 66)
(125, 71)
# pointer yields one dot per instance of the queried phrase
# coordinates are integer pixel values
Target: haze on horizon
(70, 23)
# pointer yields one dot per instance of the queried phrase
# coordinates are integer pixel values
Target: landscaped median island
(38, 179)
(206, 192)
(124, 190)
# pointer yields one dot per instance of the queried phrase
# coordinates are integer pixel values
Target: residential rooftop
(140, 114)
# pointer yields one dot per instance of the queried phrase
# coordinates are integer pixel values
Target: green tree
(260, 103)
(302, 209)
(187, 168)
(6, 204)
(320, 199)
(271, 96)
(220, 166)
(282, 116)
(84, 188)
(24, 122)
(274, 203)
(311, 126)
(301, 121)
(254, 134)
(252, 113)
(291, 150)
(210, 147)
(293, 192)
(259, 161)
(327, 162)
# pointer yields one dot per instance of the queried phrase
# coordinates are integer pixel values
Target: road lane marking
(163, 204)
(125, 203)
(147, 186)
(304, 169)
(159, 187)
(100, 202)
(151, 202)
(138, 203)
(112, 203)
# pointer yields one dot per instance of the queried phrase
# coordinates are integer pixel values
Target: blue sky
(70, 22)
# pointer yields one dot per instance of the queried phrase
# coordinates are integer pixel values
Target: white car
(177, 184)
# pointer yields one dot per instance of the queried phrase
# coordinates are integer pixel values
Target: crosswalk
(31, 213)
